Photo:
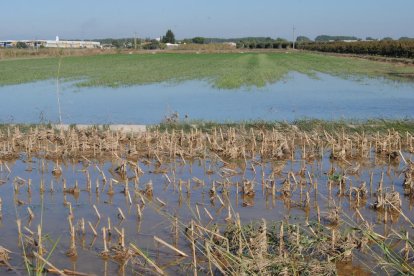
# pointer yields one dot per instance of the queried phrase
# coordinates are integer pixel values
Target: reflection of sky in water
(299, 96)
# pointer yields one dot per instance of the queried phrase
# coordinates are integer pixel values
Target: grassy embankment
(305, 125)
(229, 70)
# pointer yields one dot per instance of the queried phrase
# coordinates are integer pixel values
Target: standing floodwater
(298, 96)
(305, 198)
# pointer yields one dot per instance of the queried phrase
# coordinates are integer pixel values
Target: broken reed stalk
(121, 235)
(42, 186)
(179, 252)
(72, 250)
(121, 215)
(129, 198)
(105, 251)
(161, 202)
(52, 188)
(407, 247)
(208, 214)
(82, 226)
(93, 229)
(142, 199)
(198, 212)
(31, 215)
(126, 187)
(97, 212)
(139, 212)
(110, 188)
(56, 270)
(70, 211)
(39, 240)
(29, 186)
(97, 186)
(311, 181)
(109, 227)
(148, 260)
(19, 228)
(229, 215)
(192, 240)
(221, 201)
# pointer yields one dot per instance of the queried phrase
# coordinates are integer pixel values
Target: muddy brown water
(183, 205)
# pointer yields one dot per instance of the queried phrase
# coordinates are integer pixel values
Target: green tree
(21, 45)
(117, 43)
(169, 37)
(198, 40)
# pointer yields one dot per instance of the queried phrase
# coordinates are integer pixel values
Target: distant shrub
(198, 40)
(21, 45)
(153, 45)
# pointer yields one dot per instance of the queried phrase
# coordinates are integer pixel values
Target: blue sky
(44, 19)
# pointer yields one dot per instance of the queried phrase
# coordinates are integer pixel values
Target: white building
(52, 44)
(171, 46)
(71, 44)
(231, 44)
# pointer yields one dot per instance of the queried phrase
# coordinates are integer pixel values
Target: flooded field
(297, 96)
(228, 201)
(218, 201)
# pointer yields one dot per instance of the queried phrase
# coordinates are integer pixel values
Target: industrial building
(52, 44)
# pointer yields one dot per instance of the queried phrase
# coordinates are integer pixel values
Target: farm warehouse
(52, 43)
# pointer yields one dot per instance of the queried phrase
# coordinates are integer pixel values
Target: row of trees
(389, 48)
(268, 44)
(327, 38)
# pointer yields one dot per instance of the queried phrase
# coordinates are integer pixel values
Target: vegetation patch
(226, 70)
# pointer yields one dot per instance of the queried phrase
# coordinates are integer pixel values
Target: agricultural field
(229, 70)
(254, 197)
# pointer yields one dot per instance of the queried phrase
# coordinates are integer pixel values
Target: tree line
(270, 44)
(389, 48)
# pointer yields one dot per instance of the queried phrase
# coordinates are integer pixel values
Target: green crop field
(230, 70)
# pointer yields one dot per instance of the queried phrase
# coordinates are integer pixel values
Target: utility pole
(294, 36)
(135, 40)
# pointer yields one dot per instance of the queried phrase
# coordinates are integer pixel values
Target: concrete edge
(122, 128)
